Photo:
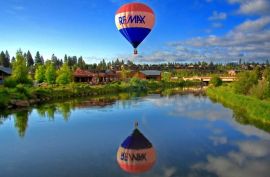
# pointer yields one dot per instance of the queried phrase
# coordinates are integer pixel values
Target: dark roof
(5, 70)
(151, 72)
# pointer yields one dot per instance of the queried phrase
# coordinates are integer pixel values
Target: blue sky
(185, 30)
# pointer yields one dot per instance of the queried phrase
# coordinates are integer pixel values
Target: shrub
(3, 98)
(261, 90)
(10, 82)
(22, 89)
(216, 81)
(245, 81)
(137, 84)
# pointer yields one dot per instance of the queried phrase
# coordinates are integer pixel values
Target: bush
(10, 82)
(22, 89)
(137, 84)
(3, 98)
(261, 90)
(246, 81)
(216, 81)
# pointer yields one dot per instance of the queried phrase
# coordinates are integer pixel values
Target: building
(4, 72)
(95, 77)
(149, 74)
(83, 76)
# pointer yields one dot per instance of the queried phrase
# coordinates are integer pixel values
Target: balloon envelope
(135, 21)
(136, 154)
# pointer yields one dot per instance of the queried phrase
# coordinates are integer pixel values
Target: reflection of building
(95, 102)
(95, 77)
(4, 72)
(149, 74)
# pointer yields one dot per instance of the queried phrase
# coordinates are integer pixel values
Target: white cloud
(251, 160)
(253, 25)
(250, 7)
(218, 16)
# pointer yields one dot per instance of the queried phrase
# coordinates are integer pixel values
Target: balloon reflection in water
(136, 154)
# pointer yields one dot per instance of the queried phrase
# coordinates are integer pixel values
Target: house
(83, 76)
(149, 74)
(4, 72)
(94, 77)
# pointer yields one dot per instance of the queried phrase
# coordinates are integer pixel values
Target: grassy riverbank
(23, 95)
(251, 109)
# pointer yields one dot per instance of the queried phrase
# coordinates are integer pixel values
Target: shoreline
(247, 109)
(33, 96)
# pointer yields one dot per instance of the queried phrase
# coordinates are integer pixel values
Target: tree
(65, 58)
(40, 74)
(81, 63)
(12, 60)
(29, 58)
(2, 58)
(216, 81)
(38, 59)
(19, 69)
(7, 59)
(64, 75)
(50, 73)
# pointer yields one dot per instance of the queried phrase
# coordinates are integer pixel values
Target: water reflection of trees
(49, 111)
(20, 122)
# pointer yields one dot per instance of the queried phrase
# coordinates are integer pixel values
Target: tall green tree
(13, 59)
(50, 73)
(64, 75)
(81, 62)
(65, 58)
(38, 59)
(7, 59)
(19, 69)
(29, 59)
(2, 58)
(40, 74)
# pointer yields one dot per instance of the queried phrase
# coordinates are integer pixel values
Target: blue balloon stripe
(135, 35)
(136, 141)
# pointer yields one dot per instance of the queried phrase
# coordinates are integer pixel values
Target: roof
(83, 73)
(6, 70)
(151, 72)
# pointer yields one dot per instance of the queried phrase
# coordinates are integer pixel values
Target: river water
(192, 136)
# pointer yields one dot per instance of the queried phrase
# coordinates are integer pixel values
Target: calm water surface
(193, 137)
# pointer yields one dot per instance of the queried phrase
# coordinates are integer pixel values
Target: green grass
(251, 110)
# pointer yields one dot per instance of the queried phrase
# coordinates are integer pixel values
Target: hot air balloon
(136, 154)
(135, 21)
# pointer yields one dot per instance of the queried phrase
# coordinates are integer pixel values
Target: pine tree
(7, 59)
(29, 58)
(65, 59)
(81, 63)
(42, 60)
(13, 60)
(38, 59)
(2, 58)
